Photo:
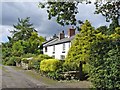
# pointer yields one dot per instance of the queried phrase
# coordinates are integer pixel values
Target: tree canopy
(80, 48)
(23, 29)
(104, 62)
(65, 11)
(24, 40)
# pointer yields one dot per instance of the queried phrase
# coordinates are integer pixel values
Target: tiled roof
(57, 41)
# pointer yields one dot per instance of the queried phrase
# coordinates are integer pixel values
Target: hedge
(35, 62)
(52, 68)
(105, 63)
(50, 65)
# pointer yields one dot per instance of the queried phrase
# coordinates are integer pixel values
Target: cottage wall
(59, 52)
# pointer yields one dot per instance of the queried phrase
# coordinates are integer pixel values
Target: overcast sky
(11, 11)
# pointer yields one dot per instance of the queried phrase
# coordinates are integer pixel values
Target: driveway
(14, 78)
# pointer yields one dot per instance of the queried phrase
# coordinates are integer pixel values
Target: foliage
(18, 59)
(23, 43)
(117, 30)
(51, 68)
(109, 9)
(80, 49)
(109, 30)
(112, 26)
(104, 62)
(85, 68)
(55, 75)
(5, 60)
(23, 30)
(6, 50)
(11, 61)
(65, 12)
(103, 30)
(42, 57)
(17, 48)
(32, 45)
(35, 62)
(50, 65)
(28, 55)
(25, 60)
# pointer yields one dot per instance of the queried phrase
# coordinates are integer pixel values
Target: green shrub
(25, 60)
(50, 65)
(28, 55)
(55, 75)
(105, 63)
(35, 62)
(85, 68)
(18, 59)
(51, 68)
(4, 60)
(11, 61)
(42, 57)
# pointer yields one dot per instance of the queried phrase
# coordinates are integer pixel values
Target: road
(12, 78)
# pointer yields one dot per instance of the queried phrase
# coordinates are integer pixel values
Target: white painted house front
(58, 46)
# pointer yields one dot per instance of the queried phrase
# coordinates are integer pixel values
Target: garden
(94, 54)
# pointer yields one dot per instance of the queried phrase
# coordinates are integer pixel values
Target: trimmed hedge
(105, 63)
(50, 65)
(35, 62)
(52, 68)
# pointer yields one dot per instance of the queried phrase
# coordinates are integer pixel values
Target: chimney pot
(61, 35)
(71, 32)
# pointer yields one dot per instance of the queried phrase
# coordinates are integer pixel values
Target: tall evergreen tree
(80, 49)
(23, 30)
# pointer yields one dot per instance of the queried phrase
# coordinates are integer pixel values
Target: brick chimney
(62, 35)
(71, 32)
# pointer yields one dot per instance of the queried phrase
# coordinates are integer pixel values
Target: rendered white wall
(58, 50)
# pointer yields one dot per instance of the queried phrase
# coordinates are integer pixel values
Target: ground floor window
(62, 57)
(53, 56)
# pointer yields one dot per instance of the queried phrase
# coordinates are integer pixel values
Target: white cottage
(58, 46)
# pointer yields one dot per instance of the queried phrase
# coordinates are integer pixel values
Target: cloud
(5, 32)
(86, 12)
(11, 11)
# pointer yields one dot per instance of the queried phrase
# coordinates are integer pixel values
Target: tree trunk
(80, 71)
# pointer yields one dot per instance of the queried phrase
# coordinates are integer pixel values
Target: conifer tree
(80, 48)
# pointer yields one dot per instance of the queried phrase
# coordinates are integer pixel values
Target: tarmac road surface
(12, 78)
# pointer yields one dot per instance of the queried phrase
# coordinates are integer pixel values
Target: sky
(11, 11)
